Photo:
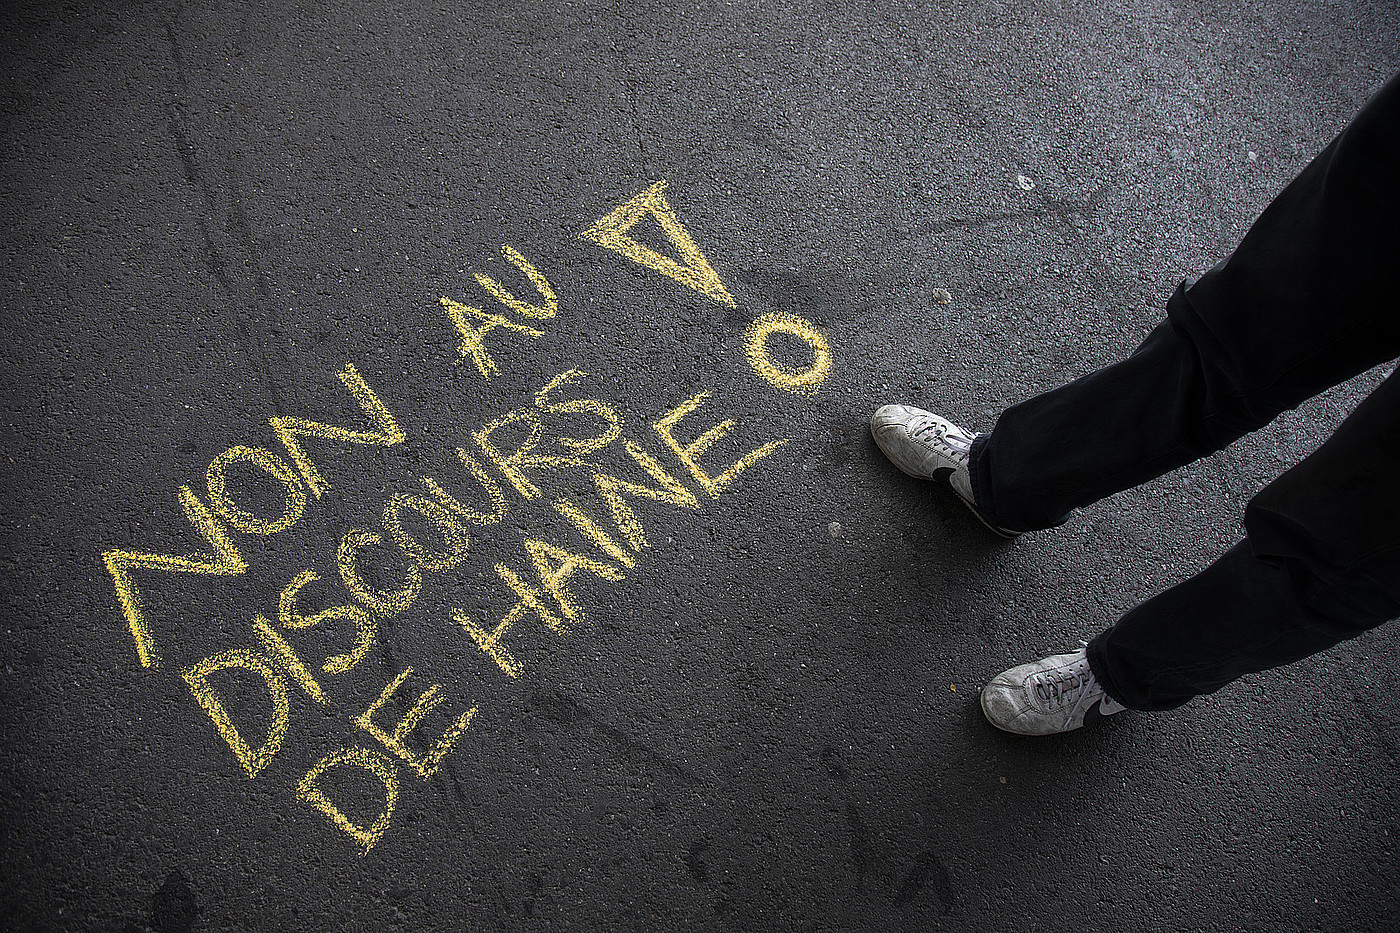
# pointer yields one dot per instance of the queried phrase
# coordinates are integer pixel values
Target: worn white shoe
(1052, 695)
(929, 447)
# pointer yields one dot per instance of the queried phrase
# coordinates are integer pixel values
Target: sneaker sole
(999, 532)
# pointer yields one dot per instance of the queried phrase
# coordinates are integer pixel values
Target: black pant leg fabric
(1320, 563)
(1306, 301)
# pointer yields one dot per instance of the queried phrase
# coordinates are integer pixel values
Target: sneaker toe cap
(894, 416)
(1003, 703)
(1006, 704)
(890, 426)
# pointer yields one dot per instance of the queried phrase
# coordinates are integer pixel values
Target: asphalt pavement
(438, 493)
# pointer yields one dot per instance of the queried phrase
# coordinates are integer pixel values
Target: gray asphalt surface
(763, 719)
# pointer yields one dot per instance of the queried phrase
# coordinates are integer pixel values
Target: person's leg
(1306, 301)
(1320, 563)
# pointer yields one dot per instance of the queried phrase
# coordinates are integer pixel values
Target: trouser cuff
(984, 499)
(1103, 673)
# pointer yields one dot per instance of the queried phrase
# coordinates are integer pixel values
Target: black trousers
(1310, 298)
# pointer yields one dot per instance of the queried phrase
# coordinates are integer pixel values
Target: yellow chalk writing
(691, 269)
(590, 530)
(431, 527)
(474, 336)
(290, 617)
(668, 490)
(284, 657)
(529, 601)
(429, 700)
(611, 489)
(603, 412)
(514, 464)
(791, 380)
(309, 791)
(541, 311)
(690, 454)
(225, 560)
(294, 493)
(384, 602)
(385, 433)
(491, 641)
(454, 535)
(555, 565)
(492, 488)
(252, 759)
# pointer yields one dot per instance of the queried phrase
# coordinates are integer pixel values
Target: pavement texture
(438, 493)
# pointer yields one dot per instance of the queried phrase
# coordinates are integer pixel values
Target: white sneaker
(1052, 695)
(928, 447)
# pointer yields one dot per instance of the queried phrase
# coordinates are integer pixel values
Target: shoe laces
(1077, 686)
(955, 441)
